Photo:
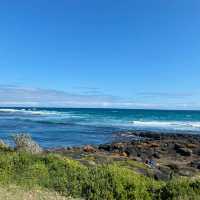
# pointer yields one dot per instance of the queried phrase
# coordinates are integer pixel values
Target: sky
(108, 53)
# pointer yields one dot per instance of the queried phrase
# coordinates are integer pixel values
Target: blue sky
(75, 53)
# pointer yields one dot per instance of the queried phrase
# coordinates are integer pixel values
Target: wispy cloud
(166, 94)
(11, 95)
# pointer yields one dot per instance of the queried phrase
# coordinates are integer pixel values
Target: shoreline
(164, 154)
(150, 167)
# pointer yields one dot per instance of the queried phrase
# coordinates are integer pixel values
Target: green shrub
(3, 144)
(100, 182)
(181, 189)
(111, 182)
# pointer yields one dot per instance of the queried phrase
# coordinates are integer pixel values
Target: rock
(154, 145)
(186, 172)
(196, 151)
(195, 164)
(178, 146)
(164, 175)
(89, 149)
(118, 146)
(192, 146)
(156, 155)
(184, 151)
(124, 154)
(131, 151)
(105, 147)
(174, 166)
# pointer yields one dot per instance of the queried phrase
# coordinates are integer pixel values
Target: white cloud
(11, 95)
(24, 96)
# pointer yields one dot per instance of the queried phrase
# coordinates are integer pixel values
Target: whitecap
(174, 125)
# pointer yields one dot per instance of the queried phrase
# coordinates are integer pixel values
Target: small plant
(24, 142)
(3, 145)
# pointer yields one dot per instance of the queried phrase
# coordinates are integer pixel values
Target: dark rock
(105, 147)
(118, 146)
(131, 151)
(184, 151)
(160, 174)
(195, 164)
(156, 155)
(149, 153)
(196, 151)
(174, 166)
(178, 146)
(186, 172)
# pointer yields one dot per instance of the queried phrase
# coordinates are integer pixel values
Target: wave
(49, 122)
(71, 117)
(179, 125)
(29, 111)
(8, 110)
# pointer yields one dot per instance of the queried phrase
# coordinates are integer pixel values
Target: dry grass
(13, 192)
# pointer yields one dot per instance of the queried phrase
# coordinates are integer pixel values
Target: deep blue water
(53, 127)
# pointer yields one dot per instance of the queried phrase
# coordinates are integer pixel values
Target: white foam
(176, 125)
(8, 110)
(28, 111)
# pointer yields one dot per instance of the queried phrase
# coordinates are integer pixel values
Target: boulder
(105, 147)
(124, 154)
(131, 151)
(163, 175)
(195, 164)
(175, 167)
(192, 146)
(89, 149)
(178, 146)
(118, 146)
(154, 145)
(186, 171)
(156, 155)
(184, 151)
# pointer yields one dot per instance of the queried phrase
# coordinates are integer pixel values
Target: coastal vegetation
(70, 178)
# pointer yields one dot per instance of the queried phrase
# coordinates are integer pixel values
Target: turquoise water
(53, 127)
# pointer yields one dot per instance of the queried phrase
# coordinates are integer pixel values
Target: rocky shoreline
(159, 155)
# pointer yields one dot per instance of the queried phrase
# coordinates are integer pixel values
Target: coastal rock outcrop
(89, 149)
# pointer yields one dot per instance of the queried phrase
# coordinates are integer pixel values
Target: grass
(13, 192)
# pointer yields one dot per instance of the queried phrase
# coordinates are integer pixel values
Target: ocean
(56, 127)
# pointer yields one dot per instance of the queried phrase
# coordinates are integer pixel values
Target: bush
(181, 189)
(71, 178)
(101, 182)
(111, 182)
(24, 142)
(3, 145)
